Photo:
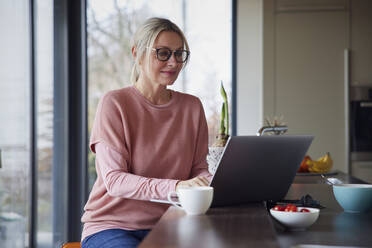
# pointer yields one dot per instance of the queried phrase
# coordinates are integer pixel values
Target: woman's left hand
(194, 182)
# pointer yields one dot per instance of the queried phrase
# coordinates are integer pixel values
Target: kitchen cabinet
(292, 62)
(362, 170)
(307, 47)
(361, 43)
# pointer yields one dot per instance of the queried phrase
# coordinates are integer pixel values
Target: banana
(322, 165)
(325, 158)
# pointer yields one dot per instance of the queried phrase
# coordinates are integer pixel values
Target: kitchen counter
(316, 178)
(251, 225)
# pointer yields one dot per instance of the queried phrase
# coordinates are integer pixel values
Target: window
(14, 122)
(111, 25)
(44, 93)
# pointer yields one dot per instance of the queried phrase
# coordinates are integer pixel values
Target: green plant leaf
(226, 110)
(222, 123)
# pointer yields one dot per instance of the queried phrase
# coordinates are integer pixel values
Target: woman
(148, 141)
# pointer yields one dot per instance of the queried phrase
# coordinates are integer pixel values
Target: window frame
(70, 184)
(33, 132)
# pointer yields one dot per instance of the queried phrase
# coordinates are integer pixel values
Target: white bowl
(296, 220)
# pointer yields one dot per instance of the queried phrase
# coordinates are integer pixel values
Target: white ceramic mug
(193, 200)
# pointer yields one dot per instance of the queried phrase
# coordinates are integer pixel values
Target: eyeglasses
(164, 54)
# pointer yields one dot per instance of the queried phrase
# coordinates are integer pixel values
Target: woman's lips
(168, 73)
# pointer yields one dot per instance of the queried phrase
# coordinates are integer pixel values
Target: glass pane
(44, 76)
(209, 36)
(14, 122)
(111, 26)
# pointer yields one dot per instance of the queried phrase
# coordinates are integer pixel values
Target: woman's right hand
(194, 182)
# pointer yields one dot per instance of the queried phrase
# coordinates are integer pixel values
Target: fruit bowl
(322, 165)
(296, 220)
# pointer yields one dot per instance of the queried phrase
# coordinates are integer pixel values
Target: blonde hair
(145, 37)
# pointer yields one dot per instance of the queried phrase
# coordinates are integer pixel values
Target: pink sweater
(144, 150)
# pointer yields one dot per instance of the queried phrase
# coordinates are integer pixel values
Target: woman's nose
(172, 59)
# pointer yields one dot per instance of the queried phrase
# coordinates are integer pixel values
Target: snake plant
(223, 133)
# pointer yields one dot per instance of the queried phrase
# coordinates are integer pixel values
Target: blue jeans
(114, 238)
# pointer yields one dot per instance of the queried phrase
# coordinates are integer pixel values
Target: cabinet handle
(366, 104)
(347, 108)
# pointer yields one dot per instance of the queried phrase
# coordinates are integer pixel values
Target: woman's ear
(134, 52)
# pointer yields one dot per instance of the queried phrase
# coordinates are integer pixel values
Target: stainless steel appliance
(361, 132)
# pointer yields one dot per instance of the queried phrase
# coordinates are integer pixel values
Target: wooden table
(252, 226)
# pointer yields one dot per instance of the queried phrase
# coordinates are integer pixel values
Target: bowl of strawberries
(293, 217)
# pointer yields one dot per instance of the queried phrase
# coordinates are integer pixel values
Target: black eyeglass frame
(170, 54)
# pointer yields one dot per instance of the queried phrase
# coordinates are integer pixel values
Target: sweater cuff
(172, 185)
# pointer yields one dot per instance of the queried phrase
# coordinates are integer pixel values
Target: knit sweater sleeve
(120, 183)
(200, 165)
(109, 126)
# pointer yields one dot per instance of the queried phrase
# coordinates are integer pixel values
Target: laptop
(258, 168)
